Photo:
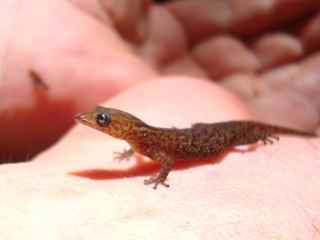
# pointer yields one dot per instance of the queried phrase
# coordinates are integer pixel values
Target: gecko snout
(84, 118)
(80, 117)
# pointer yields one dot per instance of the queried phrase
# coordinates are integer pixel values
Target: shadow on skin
(143, 168)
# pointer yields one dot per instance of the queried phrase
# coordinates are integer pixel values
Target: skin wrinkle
(316, 147)
(308, 216)
(316, 229)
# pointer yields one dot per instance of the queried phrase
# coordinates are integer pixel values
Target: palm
(84, 55)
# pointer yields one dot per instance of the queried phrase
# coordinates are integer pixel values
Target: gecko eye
(103, 119)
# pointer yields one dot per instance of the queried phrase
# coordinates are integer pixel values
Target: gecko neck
(142, 135)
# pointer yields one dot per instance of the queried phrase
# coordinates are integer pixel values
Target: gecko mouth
(82, 118)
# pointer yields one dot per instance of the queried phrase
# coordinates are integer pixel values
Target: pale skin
(273, 179)
(269, 192)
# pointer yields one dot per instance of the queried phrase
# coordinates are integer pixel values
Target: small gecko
(168, 145)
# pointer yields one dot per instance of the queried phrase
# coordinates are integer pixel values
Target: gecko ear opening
(103, 119)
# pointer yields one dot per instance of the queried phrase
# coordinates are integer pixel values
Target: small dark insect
(37, 81)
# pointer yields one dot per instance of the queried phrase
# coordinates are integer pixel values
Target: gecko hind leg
(165, 168)
(270, 139)
(156, 180)
(125, 155)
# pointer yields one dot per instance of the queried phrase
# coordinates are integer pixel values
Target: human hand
(246, 195)
(80, 58)
(80, 74)
(77, 190)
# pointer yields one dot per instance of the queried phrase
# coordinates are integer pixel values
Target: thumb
(80, 60)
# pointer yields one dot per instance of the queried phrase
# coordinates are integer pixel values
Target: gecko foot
(156, 180)
(125, 155)
(270, 139)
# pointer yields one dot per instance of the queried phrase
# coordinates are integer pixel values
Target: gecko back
(216, 137)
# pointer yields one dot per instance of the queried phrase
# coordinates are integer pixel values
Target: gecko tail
(291, 131)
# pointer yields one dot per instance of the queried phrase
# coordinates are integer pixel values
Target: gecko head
(112, 121)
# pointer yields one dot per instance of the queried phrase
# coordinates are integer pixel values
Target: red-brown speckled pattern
(167, 145)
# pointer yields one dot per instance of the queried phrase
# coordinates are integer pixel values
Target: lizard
(167, 145)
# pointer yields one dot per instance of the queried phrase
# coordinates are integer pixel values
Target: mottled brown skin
(167, 145)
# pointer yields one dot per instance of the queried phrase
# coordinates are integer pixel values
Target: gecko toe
(156, 181)
(125, 155)
(119, 157)
(270, 139)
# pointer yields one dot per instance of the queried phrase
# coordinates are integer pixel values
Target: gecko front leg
(124, 155)
(166, 163)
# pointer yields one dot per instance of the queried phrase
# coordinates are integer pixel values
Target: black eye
(103, 119)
